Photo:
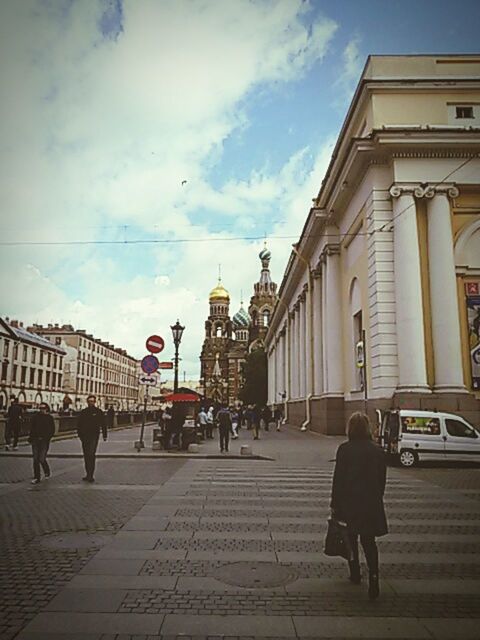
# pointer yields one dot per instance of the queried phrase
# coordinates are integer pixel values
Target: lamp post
(177, 331)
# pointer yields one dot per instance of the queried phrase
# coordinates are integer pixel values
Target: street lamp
(177, 332)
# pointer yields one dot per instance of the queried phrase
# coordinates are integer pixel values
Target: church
(229, 340)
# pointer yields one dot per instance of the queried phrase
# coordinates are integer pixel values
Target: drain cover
(73, 540)
(255, 575)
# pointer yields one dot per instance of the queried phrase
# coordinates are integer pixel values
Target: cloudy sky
(145, 142)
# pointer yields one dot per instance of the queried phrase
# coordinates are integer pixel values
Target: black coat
(90, 421)
(42, 427)
(358, 487)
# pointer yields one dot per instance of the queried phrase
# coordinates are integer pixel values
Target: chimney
(21, 325)
(14, 324)
(50, 326)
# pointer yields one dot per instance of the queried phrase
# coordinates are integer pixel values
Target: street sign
(155, 344)
(149, 364)
(149, 380)
(165, 365)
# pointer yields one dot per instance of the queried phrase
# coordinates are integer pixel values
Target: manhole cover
(73, 540)
(255, 575)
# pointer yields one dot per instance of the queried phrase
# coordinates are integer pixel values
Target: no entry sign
(149, 364)
(155, 344)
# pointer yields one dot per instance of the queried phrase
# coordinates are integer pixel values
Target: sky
(143, 143)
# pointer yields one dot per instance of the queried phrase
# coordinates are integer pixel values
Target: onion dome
(219, 293)
(241, 319)
(264, 254)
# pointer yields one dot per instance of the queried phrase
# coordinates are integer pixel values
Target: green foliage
(254, 389)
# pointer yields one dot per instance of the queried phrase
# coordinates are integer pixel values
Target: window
(14, 374)
(40, 360)
(54, 380)
(59, 379)
(5, 348)
(23, 375)
(47, 379)
(32, 376)
(49, 359)
(459, 429)
(25, 351)
(58, 340)
(4, 370)
(40, 378)
(464, 112)
(34, 355)
(421, 426)
(15, 352)
(266, 318)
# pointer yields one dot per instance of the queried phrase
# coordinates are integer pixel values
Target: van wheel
(408, 458)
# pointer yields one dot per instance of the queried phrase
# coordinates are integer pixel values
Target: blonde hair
(358, 427)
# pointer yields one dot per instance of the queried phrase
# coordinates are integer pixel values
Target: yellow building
(388, 261)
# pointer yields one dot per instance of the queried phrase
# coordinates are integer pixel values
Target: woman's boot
(355, 576)
(373, 586)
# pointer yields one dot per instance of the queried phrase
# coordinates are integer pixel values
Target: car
(411, 435)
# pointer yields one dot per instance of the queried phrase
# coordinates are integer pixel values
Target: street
(175, 545)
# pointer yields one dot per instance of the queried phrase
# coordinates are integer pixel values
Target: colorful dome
(265, 254)
(241, 318)
(219, 293)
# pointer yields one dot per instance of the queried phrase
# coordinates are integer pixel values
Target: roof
(34, 339)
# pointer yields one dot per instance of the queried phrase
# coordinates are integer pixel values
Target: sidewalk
(232, 548)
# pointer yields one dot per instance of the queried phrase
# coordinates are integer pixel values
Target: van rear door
(462, 441)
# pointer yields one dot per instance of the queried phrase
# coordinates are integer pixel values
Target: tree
(254, 389)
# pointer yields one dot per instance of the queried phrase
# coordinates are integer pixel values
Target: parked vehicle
(412, 435)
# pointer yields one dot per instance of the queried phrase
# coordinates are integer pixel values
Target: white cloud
(99, 133)
(352, 64)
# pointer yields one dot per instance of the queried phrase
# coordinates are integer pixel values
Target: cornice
(419, 190)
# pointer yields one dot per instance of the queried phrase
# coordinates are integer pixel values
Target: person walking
(210, 420)
(14, 423)
(90, 421)
(266, 416)
(224, 420)
(235, 422)
(277, 415)
(202, 420)
(255, 421)
(42, 429)
(110, 416)
(357, 496)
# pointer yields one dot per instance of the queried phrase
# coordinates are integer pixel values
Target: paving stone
(112, 567)
(89, 600)
(347, 627)
(220, 625)
(85, 623)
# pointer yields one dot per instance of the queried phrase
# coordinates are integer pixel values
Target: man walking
(14, 422)
(42, 430)
(90, 421)
(224, 427)
(202, 422)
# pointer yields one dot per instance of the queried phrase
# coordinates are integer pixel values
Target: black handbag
(337, 542)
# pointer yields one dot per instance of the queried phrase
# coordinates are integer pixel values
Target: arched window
(265, 317)
(218, 331)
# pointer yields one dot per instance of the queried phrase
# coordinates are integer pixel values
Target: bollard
(193, 448)
(245, 450)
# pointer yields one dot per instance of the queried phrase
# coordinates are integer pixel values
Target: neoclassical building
(387, 268)
(228, 341)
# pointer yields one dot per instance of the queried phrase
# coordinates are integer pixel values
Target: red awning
(181, 397)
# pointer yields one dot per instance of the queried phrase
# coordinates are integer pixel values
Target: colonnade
(308, 352)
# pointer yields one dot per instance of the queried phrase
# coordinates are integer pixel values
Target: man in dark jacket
(42, 429)
(14, 422)
(90, 421)
(224, 420)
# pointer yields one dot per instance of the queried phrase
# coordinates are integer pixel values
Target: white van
(412, 435)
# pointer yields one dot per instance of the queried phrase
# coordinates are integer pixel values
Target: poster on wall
(472, 290)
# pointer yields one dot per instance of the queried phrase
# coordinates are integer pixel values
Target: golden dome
(219, 293)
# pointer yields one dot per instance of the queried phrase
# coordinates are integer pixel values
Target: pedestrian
(266, 416)
(277, 415)
(248, 416)
(210, 420)
(42, 429)
(357, 496)
(255, 421)
(110, 416)
(224, 420)
(167, 426)
(14, 424)
(235, 423)
(202, 420)
(90, 421)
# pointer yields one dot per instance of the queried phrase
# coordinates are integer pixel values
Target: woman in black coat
(42, 430)
(357, 496)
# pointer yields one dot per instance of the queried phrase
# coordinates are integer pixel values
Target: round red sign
(155, 344)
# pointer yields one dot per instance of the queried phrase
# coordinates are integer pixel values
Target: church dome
(265, 254)
(219, 293)
(241, 318)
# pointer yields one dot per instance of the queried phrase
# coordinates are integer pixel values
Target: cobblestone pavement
(232, 549)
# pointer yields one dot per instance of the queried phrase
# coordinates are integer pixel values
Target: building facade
(93, 366)
(31, 367)
(228, 341)
(387, 268)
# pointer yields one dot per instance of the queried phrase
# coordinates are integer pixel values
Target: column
(334, 323)
(293, 357)
(324, 328)
(302, 359)
(299, 354)
(443, 291)
(309, 372)
(316, 303)
(412, 371)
